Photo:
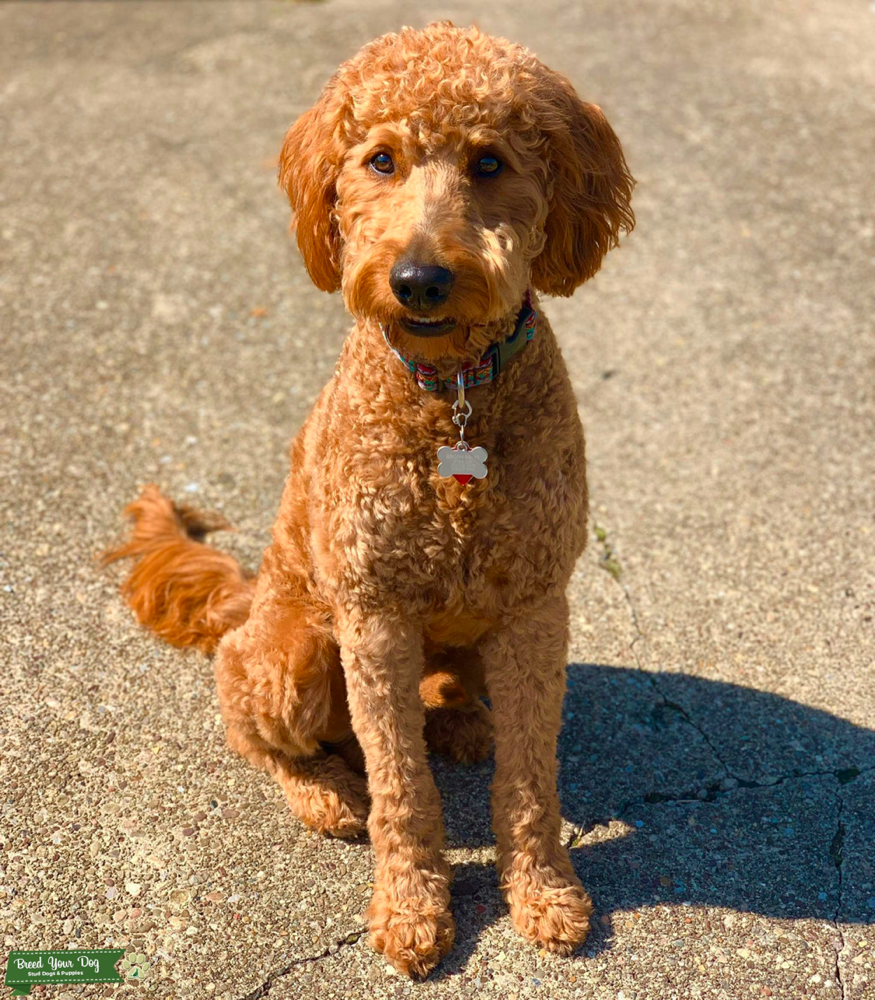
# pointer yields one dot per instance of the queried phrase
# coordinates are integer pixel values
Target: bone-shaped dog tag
(462, 463)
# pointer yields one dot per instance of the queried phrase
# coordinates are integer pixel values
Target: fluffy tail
(187, 592)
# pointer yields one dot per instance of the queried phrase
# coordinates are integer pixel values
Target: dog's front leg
(409, 913)
(525, 677)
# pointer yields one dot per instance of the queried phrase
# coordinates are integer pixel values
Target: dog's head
(444, 172)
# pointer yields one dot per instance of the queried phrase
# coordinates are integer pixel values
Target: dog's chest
(387, 530)
(428, 544)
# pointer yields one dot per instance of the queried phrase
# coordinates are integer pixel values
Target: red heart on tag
(462, 479)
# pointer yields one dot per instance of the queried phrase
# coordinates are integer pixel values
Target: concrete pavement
(718, 752)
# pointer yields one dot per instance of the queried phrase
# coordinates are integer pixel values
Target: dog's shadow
(692, 792)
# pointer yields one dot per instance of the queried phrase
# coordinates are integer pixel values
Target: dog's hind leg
(457, 723)
(283, 699)
(462, 734)
(322, 790)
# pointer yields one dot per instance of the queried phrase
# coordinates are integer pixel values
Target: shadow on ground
(689, 792)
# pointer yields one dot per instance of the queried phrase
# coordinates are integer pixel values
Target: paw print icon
(134, 966)
(462, 463)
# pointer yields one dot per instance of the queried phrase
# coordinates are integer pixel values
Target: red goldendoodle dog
(443, 178)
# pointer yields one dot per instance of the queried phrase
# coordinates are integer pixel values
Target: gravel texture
(718, 752)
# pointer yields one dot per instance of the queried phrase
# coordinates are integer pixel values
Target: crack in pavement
(332, 949)
(610, 561)
(717, 790)
(731, 781)
(842, 774)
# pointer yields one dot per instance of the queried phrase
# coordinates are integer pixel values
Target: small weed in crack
(609, 561)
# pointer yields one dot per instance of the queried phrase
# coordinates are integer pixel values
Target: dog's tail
(187, 592)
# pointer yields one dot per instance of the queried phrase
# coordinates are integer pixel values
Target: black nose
(420, 287)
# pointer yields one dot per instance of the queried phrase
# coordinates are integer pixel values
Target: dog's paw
(462, 734)
(551, 911)
(339, 811)
(414, 934)
(329, 798)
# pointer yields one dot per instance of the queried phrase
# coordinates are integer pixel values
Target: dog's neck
(485, 370)
(480, 355)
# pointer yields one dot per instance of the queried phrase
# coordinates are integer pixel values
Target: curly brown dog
(441, 181)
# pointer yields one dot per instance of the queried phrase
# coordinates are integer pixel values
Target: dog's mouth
(425, 326)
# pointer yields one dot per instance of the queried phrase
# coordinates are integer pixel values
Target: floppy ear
(309, 166)
(589, 190)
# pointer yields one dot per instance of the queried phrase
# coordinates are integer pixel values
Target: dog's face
(443, 173)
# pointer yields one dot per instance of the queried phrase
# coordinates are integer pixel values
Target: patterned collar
(487, 369)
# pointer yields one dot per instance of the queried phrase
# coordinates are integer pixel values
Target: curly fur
(188, 593)
(390, 600)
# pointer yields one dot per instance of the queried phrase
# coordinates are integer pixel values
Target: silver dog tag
(462, 462)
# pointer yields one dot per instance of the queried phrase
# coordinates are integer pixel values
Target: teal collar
(490, 365)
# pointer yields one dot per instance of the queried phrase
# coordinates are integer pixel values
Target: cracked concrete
(718, 749)
(610, 562)
(265, 987)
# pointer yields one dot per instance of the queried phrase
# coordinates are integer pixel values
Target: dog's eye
(383, 164)
(488, 166)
